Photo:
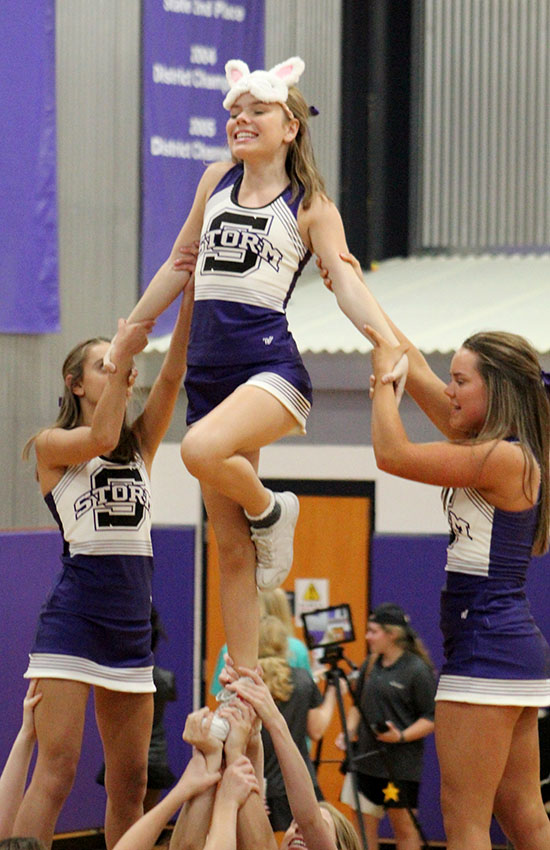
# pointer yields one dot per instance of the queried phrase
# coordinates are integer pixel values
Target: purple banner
(29, 296)
(186, 44)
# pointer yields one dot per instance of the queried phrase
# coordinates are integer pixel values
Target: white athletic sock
(264, 514)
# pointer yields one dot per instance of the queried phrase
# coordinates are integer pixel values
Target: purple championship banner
(186, 44)
(29, 288)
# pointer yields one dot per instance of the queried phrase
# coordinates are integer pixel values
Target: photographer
(395, 692)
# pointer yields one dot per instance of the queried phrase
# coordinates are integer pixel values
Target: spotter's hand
(32, 697)
(187, 260)
(347, 258)
(390, 363)
(130, 338)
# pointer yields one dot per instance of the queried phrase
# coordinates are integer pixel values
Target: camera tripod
(332, 656)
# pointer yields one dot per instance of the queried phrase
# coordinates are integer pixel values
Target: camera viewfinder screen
(328, 626)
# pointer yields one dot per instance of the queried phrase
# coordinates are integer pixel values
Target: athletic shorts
(376, 794)
(289, 382)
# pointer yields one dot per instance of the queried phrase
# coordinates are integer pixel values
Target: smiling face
(293, 837)
(255, 127)
(467, 393)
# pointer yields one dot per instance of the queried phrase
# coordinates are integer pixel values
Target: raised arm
(60, 447)
(495, 468)
(238, 783)
(423, 385)
(253, 827)
(14, 774)
(193, 820)
(153, 423)
(194, 781)
(169, 280)
(298, 784)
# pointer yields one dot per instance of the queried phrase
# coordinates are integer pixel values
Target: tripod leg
(371, 828)
(349, 754)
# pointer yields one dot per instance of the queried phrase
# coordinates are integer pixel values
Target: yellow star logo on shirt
(391, 792)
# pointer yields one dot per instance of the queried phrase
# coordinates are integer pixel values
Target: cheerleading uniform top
(248, 264)
(95, 625)
(495, 654)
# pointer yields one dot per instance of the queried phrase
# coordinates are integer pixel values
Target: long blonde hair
(275, 603)
(517, 406)
(300, 159)
(70, 414)
(272, 656)
(346, 836)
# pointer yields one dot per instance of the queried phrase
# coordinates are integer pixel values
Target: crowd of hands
(220, 793)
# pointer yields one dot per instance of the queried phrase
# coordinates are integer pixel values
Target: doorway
(332, 543)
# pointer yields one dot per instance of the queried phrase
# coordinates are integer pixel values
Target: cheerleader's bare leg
(518, 805)
(59, 723)
(124, 721)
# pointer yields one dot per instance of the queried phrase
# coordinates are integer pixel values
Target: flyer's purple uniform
(495, 654)
(95, 625)
(248, 264)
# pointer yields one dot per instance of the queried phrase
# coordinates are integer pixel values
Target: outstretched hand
(197, 732)
(390, 362)
(257, 694)
(130, 339)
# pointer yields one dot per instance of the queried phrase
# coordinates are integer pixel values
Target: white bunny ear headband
(268, 86)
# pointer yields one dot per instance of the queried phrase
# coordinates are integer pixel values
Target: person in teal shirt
(272, 603)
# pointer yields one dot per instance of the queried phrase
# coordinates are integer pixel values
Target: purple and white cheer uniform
(95, 625)
(248, 264)
(494, 652)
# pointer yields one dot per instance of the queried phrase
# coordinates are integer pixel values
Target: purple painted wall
(28, 562)
(410, 571)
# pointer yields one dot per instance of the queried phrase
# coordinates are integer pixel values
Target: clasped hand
(389, 362)
(130, 339)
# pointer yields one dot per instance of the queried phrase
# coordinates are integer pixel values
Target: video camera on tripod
(327, 629)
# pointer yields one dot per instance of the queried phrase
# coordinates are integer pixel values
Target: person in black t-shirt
(395, 691)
